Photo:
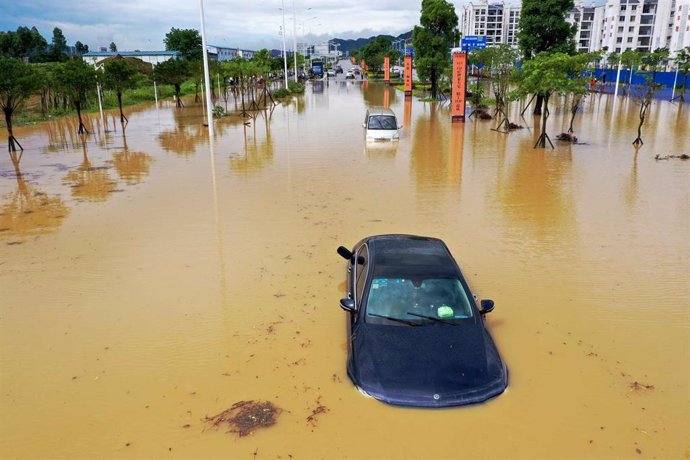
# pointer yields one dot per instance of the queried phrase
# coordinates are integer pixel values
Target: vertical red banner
(386, 98)
(387, 69)
(459, 85)
(408, 76)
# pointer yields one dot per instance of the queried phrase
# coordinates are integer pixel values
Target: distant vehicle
(331, 72)
(317, 68)
(380, 124)
(416, 336)
(339, 69)
(349, 75)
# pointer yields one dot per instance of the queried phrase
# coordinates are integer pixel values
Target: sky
(247, 24)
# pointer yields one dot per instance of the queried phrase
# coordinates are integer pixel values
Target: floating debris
(637, 386)
(320, 409)
(567, 138)
(245, 417)
(682, 156)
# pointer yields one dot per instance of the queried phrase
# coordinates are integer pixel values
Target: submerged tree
(119, 76)
(543, 28)
(645, 96)
(172, 72)
(577, 82)
(546, 74)
(432, 40)
(77, 79)
(17, 82)
(499, 63)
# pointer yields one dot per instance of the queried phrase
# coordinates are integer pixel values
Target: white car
(349, 75)
(331, 73)
(380, 124)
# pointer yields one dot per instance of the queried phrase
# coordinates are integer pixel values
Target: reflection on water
(90, 182)
(27, 210)
(201, 284)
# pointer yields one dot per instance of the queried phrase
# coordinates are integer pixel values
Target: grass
(30, 112)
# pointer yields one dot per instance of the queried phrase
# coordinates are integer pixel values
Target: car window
(382, 122)
(362, 258)
(442, 298)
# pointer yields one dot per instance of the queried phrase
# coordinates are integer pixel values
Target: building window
(619, 40)
(634, 7)
(630, 29)
(620, 30)
(629, 39)
(621, 19)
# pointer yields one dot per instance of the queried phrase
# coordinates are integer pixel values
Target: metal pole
(294, 36)
(675, 80)
(618, 77)
(284, 53)
(155, 92)
(209, 115)
(100, 105)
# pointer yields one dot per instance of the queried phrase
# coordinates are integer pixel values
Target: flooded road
(140, 293)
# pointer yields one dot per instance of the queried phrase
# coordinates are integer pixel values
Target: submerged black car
(416, 334)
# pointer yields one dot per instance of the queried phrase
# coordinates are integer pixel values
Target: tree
(17, 82)
(172, 72)
(186, 41)
(631, 59)
(499, 64)
(375, 51)
(645, 96)
(77, 79)
(543, 28)
(545, 74)
(577, 82)
(24, 43)
(113, 47)
(58, 47)
(81, 48)
(432, 40)
(682, 60)
(119, 76)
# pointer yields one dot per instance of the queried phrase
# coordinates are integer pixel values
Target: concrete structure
(680, 27)
(498, 22)
(152, 57)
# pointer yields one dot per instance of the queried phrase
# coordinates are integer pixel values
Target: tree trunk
(177, 95)
(643, 112)
(123, 118)
(10, 135)
(685, 84)
(537, 105)
(82, 128)
(541, 141)
(433, 83)
(196, 92)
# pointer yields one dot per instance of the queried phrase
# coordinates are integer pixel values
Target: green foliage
(375, 51)
(631, 58)
(218, 111)
(58, 47)
(281, 93)
(17, 82)
(432, 40)
(543, 27)
(81, 48)
(295, 88)
(24, 43)
(119, 75)
(112, 47)
(186, 41)
(171, 72)
(77, 79)
(682, 59)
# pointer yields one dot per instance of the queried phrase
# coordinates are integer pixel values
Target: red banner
(408, 75)
(387, 69)
(459, 86)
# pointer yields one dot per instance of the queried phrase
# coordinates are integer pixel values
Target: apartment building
(498, 22)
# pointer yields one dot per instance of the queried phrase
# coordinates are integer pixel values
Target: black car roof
(410, 256)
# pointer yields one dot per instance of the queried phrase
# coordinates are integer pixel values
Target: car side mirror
(487, 305)
(347, 305)
(344, 253)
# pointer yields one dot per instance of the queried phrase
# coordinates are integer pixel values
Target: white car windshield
(382, 122)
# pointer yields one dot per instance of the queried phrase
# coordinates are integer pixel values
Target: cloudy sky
(249, 24)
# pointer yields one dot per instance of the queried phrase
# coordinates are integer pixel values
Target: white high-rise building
(499, 23)
(680, 33)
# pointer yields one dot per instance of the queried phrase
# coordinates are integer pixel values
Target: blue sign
(409, 52)
(473, 42)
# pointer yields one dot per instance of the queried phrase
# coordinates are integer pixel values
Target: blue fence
(663, 78)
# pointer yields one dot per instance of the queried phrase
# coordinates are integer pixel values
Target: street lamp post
(284, 53)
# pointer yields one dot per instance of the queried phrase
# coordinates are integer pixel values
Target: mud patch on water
(245, 417)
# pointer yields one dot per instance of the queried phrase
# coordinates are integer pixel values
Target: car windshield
(382, 122)
(427, 301)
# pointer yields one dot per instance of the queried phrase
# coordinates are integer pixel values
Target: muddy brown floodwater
(141, 294)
